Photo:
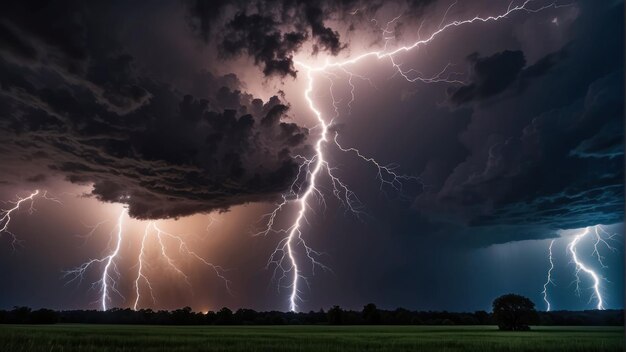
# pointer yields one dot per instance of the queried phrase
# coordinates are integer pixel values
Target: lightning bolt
(580, 266)
(305, 185)
(601, 237)
(382, 54)
(599, 232)
(140, 272)
(107, 282)
(183, 249)
(5, 214)
(549, 278)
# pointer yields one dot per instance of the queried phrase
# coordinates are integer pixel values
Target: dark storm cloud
(546, 152)
(327, 39)
(204, 16)
(272, 31)
(268, 31)
(259, 36)
(591, 188)
(73, 103)
(490, 76)
(419, 5)
(35, 34)
(544, 65)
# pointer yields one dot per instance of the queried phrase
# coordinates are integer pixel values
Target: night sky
(192, 115)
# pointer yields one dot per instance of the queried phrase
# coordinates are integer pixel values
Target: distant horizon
(368, 315)
(307, 312)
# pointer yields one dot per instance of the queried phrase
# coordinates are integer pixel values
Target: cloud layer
(75, 104)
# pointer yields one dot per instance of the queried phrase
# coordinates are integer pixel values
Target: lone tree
(371, 314)
(514, 312)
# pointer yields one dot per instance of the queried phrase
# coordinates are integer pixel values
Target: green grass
(67, 338)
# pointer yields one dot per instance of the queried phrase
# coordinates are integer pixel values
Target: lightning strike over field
(284, 257)
(580, 266)
(549, 278)
(108, 282)
(140, 272)
(183, 249)
(600, 237)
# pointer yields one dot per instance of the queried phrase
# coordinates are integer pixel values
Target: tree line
(369, 315)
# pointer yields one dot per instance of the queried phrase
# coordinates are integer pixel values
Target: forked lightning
(5, 214)
(108, 282)
(600, 237)
(284, 258)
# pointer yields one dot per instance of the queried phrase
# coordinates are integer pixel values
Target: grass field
(305, 338)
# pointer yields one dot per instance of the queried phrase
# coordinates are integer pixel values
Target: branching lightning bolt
(549, 278)
(183, 249)
(141, 275)
(5, 220)
(284, 257)
(582, 267)
(599, 232)
(107, 284)
(601, 237)
(5, 214)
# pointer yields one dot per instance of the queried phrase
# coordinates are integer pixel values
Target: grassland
(67, 338)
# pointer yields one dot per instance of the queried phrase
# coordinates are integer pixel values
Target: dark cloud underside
(271, 31)
(74, 105)
(545, 143)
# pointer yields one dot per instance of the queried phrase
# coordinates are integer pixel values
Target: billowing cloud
(547, 154)
(82, 110)
(269, 32)
(76, 102)
(37, 34)
(540, 177)
(259, 37)
(490, 75)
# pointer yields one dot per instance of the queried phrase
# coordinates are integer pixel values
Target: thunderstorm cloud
(543, 149)
(183, 107)
(83, 100)
(72, 106)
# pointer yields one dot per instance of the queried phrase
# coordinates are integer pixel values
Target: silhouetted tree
(224, 317)
(370, 314)
(401, 316)
(182, 316)
(21, 315)
(210, 317)
(335, 315)
(245, 316)
(43, 316)
(24, 315)
(482, 317)
(514, 312)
